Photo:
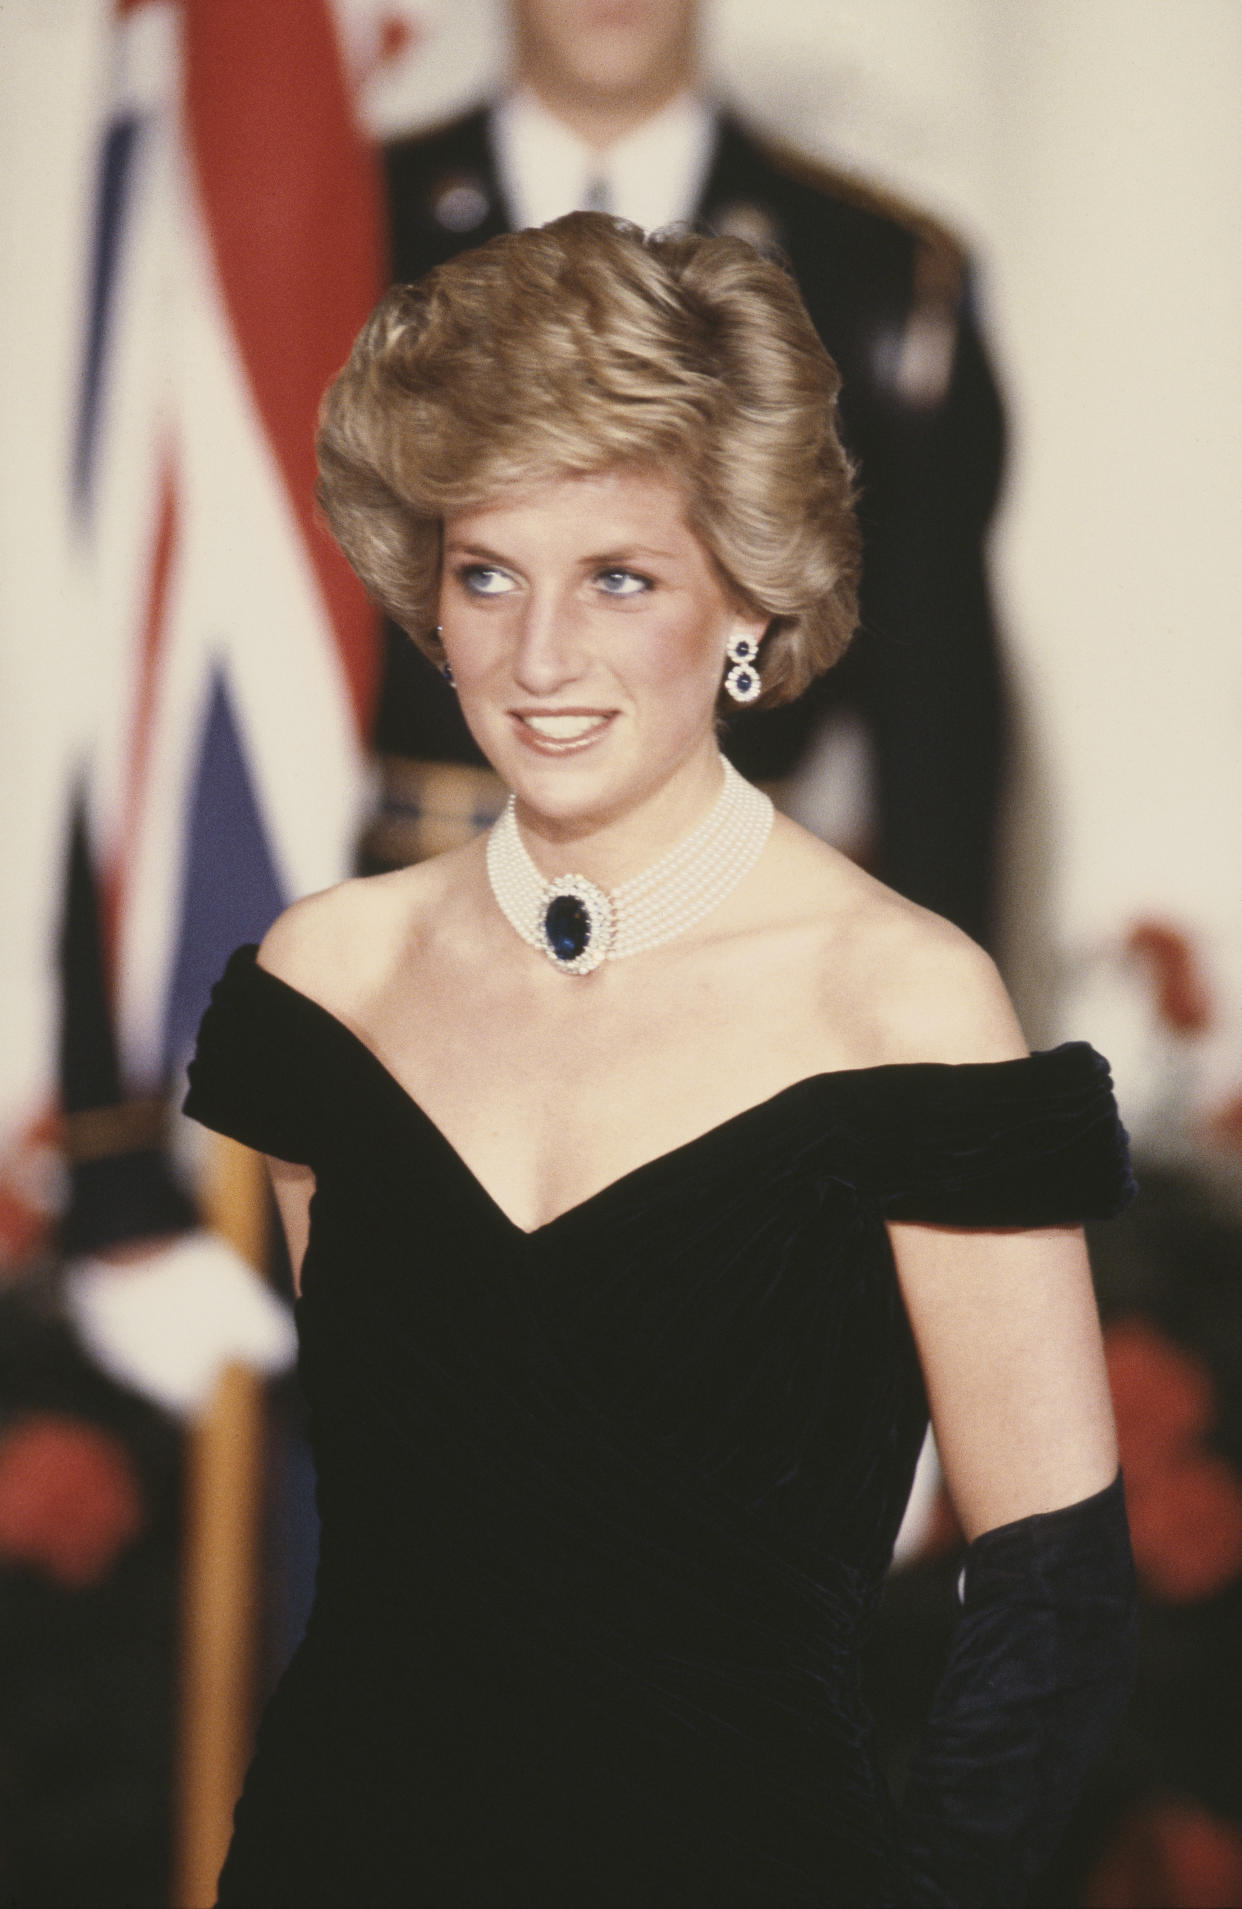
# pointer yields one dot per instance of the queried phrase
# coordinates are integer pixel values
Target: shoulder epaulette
(941, 255)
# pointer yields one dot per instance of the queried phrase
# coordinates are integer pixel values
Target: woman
(647, 1213)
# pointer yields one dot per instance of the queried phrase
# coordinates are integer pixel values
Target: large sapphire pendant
(576, 924)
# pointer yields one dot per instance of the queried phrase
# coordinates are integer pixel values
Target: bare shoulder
(940, 995)
(343, 939)
(912, 986)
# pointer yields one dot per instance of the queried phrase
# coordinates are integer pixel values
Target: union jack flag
(236, 251)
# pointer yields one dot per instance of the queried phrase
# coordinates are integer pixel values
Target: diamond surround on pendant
(576, 924)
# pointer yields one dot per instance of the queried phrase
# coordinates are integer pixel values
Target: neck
(610, 849)
(600, 120)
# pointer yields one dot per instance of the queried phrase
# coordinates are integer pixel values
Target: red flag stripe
(292, 201)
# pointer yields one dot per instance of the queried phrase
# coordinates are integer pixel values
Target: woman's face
(586, 628)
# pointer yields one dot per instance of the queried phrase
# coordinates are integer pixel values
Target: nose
(548, 652)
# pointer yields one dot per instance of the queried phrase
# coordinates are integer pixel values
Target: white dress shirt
(653, 176)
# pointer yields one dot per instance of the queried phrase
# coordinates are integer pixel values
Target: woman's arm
(293, 1186)
(1042, 1655)
(1008, 1338)
(1042, 1650)
(1004, 1321)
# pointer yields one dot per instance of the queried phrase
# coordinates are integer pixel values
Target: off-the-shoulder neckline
(245, 960)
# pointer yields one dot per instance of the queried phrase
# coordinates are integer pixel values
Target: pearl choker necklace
(578, 925)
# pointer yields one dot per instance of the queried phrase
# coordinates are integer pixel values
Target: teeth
(564, 728)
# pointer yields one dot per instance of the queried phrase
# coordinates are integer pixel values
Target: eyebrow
(603, 559)
(480, 551)
(631, 553)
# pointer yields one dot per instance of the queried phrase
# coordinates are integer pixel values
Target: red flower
(1182, 998)
(398, 35)
(1224, 1124)
(1187, 1529)
(70, 1501)
(31, 1191)
(1163, 1396)
(1184, 1500)
(1169, 1855)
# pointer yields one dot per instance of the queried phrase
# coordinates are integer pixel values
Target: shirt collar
(654, 175)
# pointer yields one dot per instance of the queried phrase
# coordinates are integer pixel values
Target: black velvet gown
(606, 1506)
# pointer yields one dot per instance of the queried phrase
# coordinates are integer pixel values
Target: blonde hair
(578, 347)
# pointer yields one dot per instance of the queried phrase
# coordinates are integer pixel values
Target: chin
(575, 792)
(572, 795)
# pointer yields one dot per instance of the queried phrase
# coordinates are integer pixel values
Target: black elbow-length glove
(1039, 1672)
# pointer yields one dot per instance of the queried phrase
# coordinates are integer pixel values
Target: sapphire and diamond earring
(742, 682)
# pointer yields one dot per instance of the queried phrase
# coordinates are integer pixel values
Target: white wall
(1119, 294)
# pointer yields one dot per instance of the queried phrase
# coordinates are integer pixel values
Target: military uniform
(888, 290)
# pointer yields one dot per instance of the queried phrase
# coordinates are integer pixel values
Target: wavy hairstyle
(584, 345)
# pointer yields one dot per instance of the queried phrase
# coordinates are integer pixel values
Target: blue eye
(484, 580)
(622, 583)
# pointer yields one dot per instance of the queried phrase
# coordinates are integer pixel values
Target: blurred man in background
(897, 754)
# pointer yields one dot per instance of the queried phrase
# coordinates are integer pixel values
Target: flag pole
(220, 1591)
